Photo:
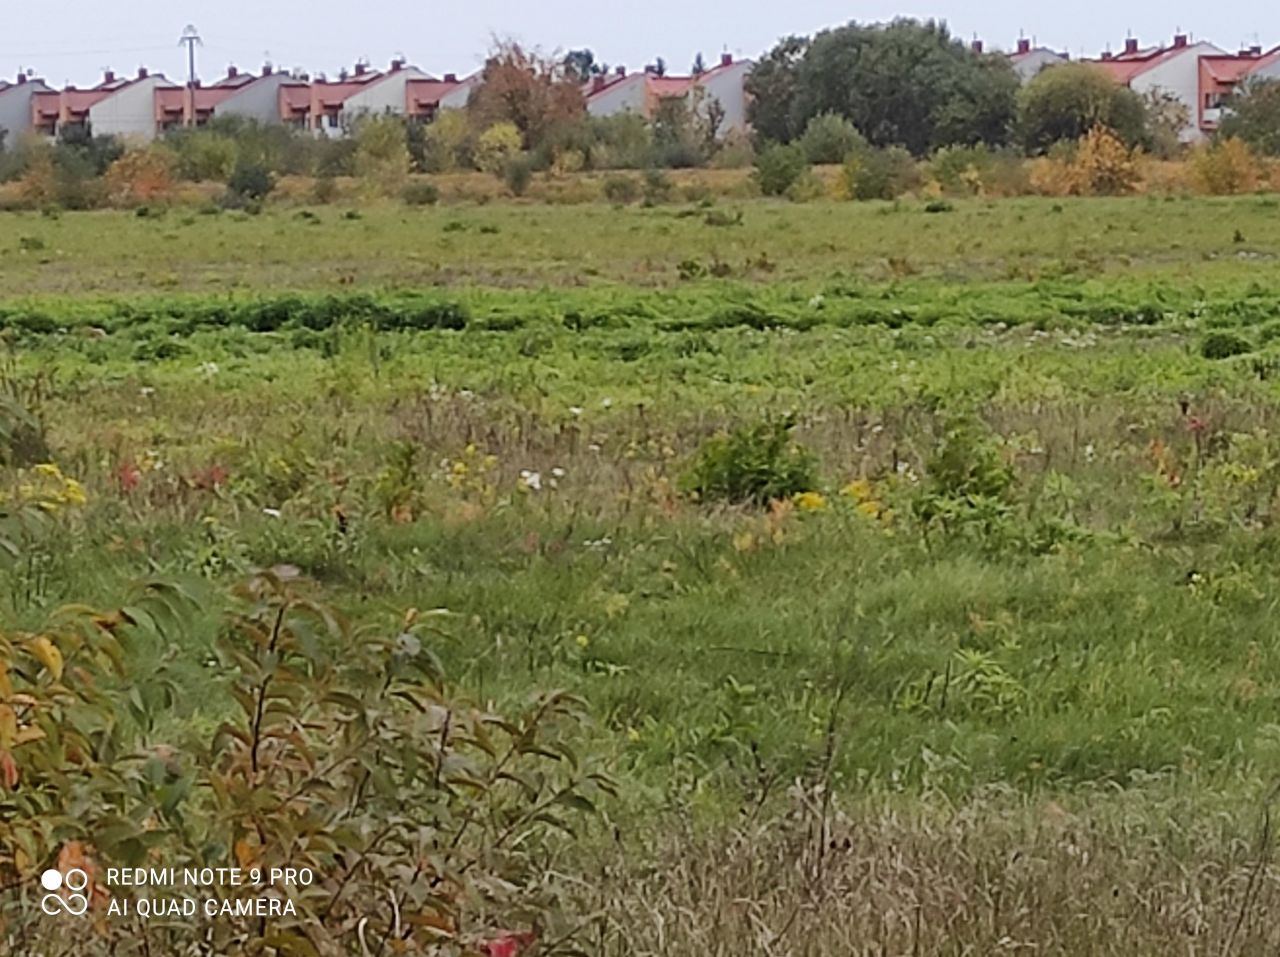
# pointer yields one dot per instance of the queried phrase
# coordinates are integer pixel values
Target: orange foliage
(140, 176)
(522, 87)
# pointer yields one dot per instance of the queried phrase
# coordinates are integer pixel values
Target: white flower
(273, 512)
(209, 368)
(606, 403)
(817, 301)
(531, 480)
(593, 447)
(575, 410)
(146, 390)
(1089, 452)
(558, 472)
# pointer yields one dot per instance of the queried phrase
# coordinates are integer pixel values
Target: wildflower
(575, 410)
(558, 472)
(209, 369)
(816, 301)
(531, 480)
(272, 512)
(633, 735)
(810, 501)
(859, 490)
(606, 403)
(583, 641)
(146, 391)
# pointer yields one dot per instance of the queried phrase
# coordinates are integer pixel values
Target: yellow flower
(633, 734)
(810, 501)
(869, 508)
(859, 490)
(582, 641)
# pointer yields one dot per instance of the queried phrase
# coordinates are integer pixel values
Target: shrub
(1224, 345)
(752, 465)
(421, 193)
(496, 146)
(1103, 165)
(140, 176)
(880, 174)
(777, 167)
(658, 187)
(979, 171)
(251, 180)
(382, 155)
(829, 138)
(807, 187)
(325, 190)
(1226, 167)
(518, 173)
(621, 189)
(364, 768)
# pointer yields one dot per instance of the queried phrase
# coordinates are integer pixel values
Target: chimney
(621, 71)
(1255, 50)
(597, 83)
(232, 72)
(360, 68)
(1024, 45)
(1107, 55)
(108, 76)
(22, 77)
(977, 46)
(397, 64)
(1131, 45)
(1179, 41)
(266, 69)
(726, 59)
(451, 78)
(142, 73)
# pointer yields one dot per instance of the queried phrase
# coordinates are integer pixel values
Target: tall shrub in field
(141, 176)
(447, 142)
(382, 155)
(535, 94)
(1253, 115)
(420, 819)
(496, 147)
(1104, 165)
(1225, 167)
(778, 167)
(752, 465)
(829, 139)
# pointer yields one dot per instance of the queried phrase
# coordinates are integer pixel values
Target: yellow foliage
(1226, 167)
(1103, 165)
(140, 176)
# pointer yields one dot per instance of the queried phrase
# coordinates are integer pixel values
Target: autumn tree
(534, 93)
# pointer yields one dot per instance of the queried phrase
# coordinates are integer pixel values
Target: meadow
(998, 673)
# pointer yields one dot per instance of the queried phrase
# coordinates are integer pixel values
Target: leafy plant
(778, 167)
(752, 464)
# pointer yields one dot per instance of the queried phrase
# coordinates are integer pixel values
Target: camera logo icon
(75, 882)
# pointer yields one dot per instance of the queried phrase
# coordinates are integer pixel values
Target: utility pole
(190, 39)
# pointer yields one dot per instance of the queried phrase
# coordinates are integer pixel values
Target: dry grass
(987, 878)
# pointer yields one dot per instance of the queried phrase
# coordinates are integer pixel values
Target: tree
(1066, 102)
(829, 138)
(496, 147)
(382, 154)
(773, 86)
(1253, 115)
(1167, 117)
(581, 64)
(528, 90)
(907, 83)
(699, 65)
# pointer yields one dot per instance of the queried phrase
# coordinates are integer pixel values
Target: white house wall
(1180, 76)
(1029, 66)
(625, 96)
(130, 112)
(728, 85)
(386, 95)
(259, 100)
(15, 109)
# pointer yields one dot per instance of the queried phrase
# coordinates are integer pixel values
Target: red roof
(1232, 68)
(46, 103)
(1123, 67)
(425, 94)
(294, 98)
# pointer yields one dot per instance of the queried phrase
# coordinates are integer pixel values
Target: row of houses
(1198, 74)
(147, 104)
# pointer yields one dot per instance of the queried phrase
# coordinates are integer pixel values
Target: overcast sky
(72, 40)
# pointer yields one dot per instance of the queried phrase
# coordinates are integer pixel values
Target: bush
(830, 138)
(1224, 345)
(495, 147)
(382, 155)
(251, 180)
(807, 187)
(1226, 167)
(140, 176)
(420, 193)
(621, 189)
(658, 187)
(518, 173)
(777, 167)
(1104, 166)
(978, 171)
(880, 174)
(325, 190)
(752, 465)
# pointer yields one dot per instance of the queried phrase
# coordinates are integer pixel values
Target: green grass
(1103, 625)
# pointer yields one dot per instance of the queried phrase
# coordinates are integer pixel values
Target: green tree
(773, 86)
(1066, 102)
(382, 154)
(907, 83)
(1253, 115)
(829, 138)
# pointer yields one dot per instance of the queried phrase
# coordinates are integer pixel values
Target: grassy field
(1016, 635)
